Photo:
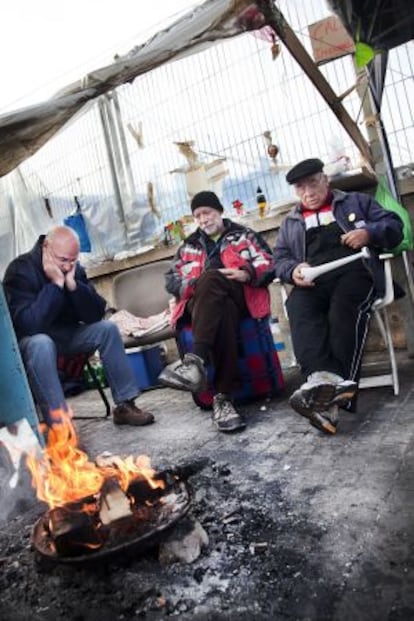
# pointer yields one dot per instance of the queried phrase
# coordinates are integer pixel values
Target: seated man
(218, 276)
(329, 317)
(56, 310)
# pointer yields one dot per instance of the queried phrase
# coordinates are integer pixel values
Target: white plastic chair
(379, 308)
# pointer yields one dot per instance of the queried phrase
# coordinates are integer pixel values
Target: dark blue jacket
(351, 210)
(37, 305)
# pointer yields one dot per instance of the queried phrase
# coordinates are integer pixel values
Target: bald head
(64, 246)
(63, 235)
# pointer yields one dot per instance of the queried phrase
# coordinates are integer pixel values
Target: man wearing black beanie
(206, 199)
(218, 276)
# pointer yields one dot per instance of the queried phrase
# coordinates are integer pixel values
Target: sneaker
(326, 421)
(187, 374)
(324, 376)
(312, 396)
(127, 413)
(225, 416)
(345, 390)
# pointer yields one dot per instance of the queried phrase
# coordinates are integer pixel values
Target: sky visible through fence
(223, 100)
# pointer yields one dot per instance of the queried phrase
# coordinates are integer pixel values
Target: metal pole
(103, 112)
(123, 144)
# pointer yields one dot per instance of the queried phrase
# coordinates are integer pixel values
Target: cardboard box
(329, 40)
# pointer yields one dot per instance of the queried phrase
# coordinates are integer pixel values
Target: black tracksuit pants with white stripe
(329, 322)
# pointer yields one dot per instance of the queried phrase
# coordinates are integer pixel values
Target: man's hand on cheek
(51, 269)
(70, 281)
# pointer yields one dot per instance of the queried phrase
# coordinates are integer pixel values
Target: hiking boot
(225, 416)
(326, 421)
(127, 413)
(187, 374)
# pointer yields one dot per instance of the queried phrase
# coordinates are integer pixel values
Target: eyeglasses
(63, 260)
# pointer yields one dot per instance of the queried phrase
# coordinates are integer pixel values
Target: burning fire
(64, 473)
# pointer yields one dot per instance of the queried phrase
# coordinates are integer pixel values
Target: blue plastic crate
(147, 364)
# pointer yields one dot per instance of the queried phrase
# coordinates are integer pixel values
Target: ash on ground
(258, 564)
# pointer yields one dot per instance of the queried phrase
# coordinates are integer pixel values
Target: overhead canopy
(23, 132)
(383, 24)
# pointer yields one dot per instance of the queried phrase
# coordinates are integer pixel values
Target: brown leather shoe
(127, 413)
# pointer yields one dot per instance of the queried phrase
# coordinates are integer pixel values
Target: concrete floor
(332, 518)
(357, 487)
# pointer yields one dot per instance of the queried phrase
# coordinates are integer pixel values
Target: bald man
(56, 310)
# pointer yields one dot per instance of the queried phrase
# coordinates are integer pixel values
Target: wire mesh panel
(130, 161)
(398, 104)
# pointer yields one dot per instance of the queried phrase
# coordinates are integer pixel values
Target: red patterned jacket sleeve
(240, 247)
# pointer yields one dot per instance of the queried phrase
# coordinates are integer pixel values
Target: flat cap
(303, 169)
(206, 199)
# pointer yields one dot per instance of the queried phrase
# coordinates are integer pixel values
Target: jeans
(40, 351)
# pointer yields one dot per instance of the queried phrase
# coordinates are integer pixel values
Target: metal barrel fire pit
(83, 532)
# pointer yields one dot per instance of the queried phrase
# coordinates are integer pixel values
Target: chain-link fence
(131, 159)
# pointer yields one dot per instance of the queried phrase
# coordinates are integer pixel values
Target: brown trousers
(216, 309)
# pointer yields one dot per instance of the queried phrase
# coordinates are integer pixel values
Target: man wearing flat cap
(329, 316)
(218, 276)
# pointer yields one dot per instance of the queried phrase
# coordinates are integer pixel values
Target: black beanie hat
(206, 199)
(303, 169)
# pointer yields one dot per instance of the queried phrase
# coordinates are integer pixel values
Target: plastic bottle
(261, 201)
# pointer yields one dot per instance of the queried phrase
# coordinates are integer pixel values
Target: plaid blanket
(259, 367)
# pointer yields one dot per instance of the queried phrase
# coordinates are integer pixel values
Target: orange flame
(64, 474)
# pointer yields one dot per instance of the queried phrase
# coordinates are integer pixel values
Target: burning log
(106, 507)
(67, 536)
(114, 503)
(73, 531)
